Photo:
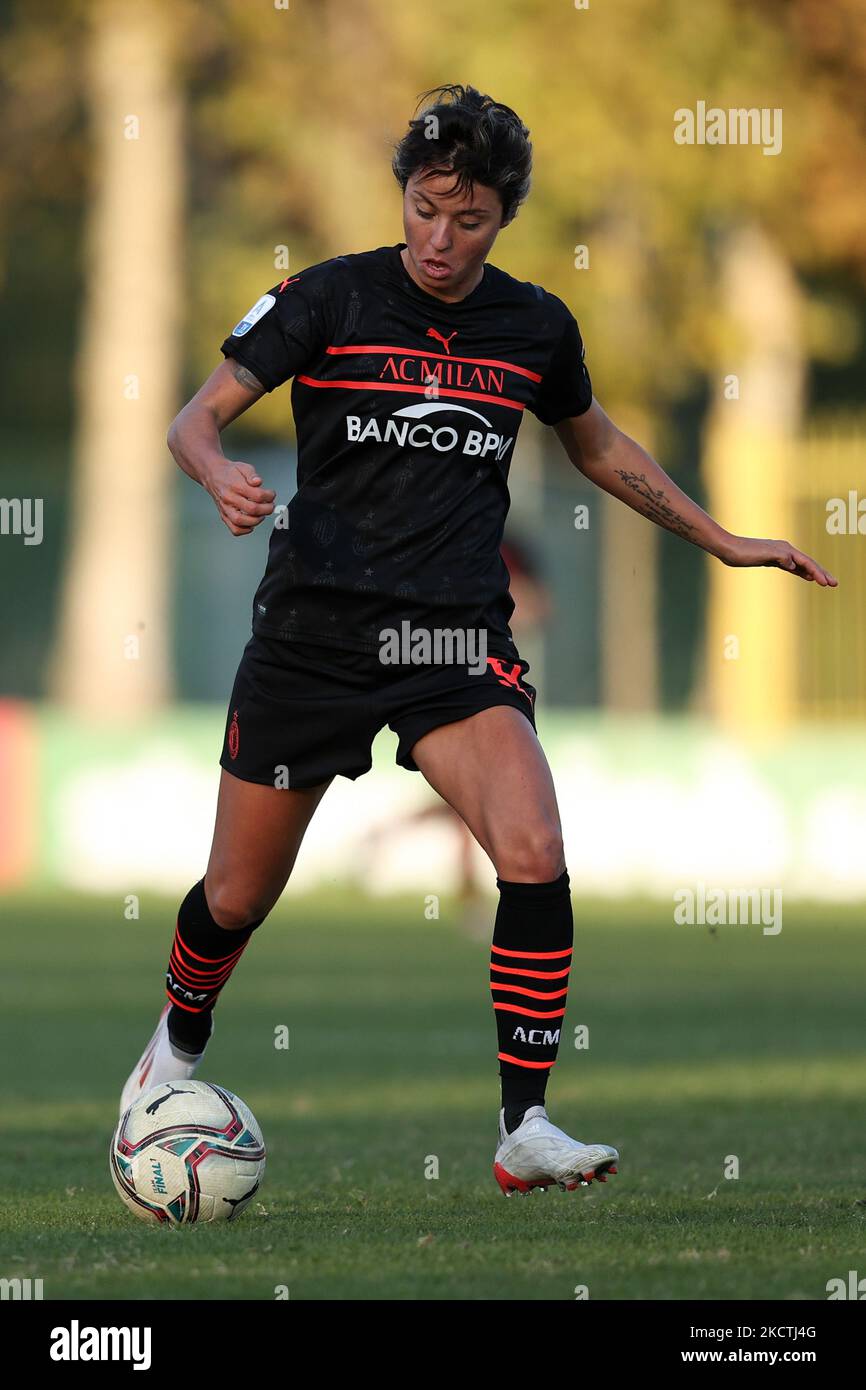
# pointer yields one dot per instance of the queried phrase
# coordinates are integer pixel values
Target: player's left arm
(614, 462)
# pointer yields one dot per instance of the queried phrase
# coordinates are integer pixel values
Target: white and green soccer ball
(187, 1151)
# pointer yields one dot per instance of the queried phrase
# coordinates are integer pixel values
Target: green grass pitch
(702, 1045)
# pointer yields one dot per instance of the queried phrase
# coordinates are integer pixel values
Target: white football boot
(537, 1154)
(159, 1062)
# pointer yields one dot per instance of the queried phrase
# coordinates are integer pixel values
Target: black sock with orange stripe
(203, 956)
(529, 963)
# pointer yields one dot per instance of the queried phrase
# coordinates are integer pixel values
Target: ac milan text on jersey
(407, 411)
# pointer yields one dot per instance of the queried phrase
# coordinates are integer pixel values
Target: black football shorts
(300, 714)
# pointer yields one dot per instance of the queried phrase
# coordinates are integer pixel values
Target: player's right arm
(278, 337)
(194, 441)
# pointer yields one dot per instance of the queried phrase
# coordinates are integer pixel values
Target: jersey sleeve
(286, 329)
(565, 388)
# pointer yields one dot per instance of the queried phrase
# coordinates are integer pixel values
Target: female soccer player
(412, 367)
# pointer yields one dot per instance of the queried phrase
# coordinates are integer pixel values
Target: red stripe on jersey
(440, 356)
(413, 391)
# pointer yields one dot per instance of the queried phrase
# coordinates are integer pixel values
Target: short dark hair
(464, 132)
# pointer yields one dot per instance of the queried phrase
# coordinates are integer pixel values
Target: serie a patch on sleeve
(259, 309)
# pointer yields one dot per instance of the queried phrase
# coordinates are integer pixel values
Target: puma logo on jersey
(433, 333)
(542, 1037)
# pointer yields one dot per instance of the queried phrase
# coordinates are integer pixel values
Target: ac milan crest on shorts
(233, 738)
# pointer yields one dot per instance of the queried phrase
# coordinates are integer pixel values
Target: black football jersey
(407, 411)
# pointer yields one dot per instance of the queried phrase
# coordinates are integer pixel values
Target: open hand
(746, 550)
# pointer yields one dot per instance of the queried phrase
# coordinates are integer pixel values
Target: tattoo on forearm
(245, 378)
(655, 505)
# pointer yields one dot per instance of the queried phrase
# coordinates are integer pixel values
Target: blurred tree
(750, 451)
(112, 655)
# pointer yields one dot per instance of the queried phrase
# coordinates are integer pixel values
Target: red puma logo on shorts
(234, 736)
(511, 677)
